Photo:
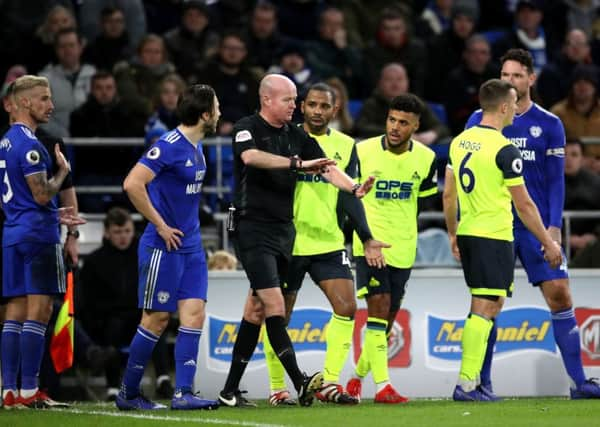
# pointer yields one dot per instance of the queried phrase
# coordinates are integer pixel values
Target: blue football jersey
(540, 136)
(21, 155)
(179, 170)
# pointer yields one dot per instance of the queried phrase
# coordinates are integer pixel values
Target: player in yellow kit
(404, 171)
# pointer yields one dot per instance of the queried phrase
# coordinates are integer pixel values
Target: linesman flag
(62, 343)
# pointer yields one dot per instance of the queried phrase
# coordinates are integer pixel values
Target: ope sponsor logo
(589, 329)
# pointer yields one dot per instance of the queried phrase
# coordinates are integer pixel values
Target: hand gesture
(66, 216)
(365, 187)
(373, 254)
(171, 236)
(317, 165)
(553, 254)
(61, 161)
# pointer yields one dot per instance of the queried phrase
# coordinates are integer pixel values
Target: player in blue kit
(540, 137)
(32, 256)
(164, 186)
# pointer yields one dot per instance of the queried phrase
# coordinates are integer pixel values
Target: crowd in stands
(116, 67)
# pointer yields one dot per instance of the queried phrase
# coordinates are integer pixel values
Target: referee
(268, 153)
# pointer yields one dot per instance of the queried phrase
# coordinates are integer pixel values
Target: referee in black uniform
(268, 152)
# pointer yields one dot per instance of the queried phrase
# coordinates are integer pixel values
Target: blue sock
(10, 348)
(486, 369)
(33, 338)
(566, 335)
(186, 353)
(140, 352)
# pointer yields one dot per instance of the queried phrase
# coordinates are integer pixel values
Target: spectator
(135, 18)
(528, 34)
(461, 94)
(553, 83)
(446, 50)
(236, 86)
(222, 260)
(580, 111)
(107, 301)
(343, 120)
(138, 80)
(582, 192)
(12, 74)
(112, 44)
(70, 80)
(103, 114)
(292, 64)
(394, 43)
(164, 117)
(192, 44)
(332, 56)
(435, 18)
(42, 49)
(392, 83)
(264, 39)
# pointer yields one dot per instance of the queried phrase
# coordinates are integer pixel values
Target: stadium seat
(354, 107)
(439, 110)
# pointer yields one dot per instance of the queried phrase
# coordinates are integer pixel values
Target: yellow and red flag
(62, 343)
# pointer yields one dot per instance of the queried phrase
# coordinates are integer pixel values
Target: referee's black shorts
(488, 264)
(327, 266)
(265, 251)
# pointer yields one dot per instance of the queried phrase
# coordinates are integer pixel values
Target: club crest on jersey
(535, 131)
(33, 157)
(153, 153)
(243, 135)
(163, 297)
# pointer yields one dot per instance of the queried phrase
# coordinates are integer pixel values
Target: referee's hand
(171, 236)
(373, 253)
(316, 165)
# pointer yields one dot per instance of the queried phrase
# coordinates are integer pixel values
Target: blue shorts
(529, 250)
(33, 268)
(167, 277)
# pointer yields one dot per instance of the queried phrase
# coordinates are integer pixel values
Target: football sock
(362, 366)
(339, 340)
(486, 368)
(10, 348)
(243, 348)
(140, 352)
(33, 338)
(376, 348)
(282, 345)
(566, 334)
(186, 354)
(474, 342)
(274, 366)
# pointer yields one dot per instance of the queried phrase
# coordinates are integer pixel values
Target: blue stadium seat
(439, 111)
(492, 36)
(354, 107)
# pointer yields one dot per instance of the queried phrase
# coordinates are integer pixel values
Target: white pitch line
(167, 418)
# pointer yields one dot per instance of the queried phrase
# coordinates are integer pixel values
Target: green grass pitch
(543, 412)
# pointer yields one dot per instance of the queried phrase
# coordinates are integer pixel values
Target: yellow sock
(339, 340)
(274, 366)
(474, 343)
(377, 348)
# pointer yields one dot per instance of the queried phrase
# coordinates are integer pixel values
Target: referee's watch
(73, 233)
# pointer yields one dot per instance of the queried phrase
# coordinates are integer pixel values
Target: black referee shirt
(267, 195)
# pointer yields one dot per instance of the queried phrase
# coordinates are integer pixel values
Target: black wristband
(355, 188)
(294, 163)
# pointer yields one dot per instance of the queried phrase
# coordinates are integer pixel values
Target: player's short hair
(521, 56)
(195, 100)
(117, 216)
(323, 87)
(27, 82)
(409, 103)
(492, 93)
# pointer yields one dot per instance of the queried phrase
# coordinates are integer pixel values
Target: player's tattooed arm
(44, 189)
